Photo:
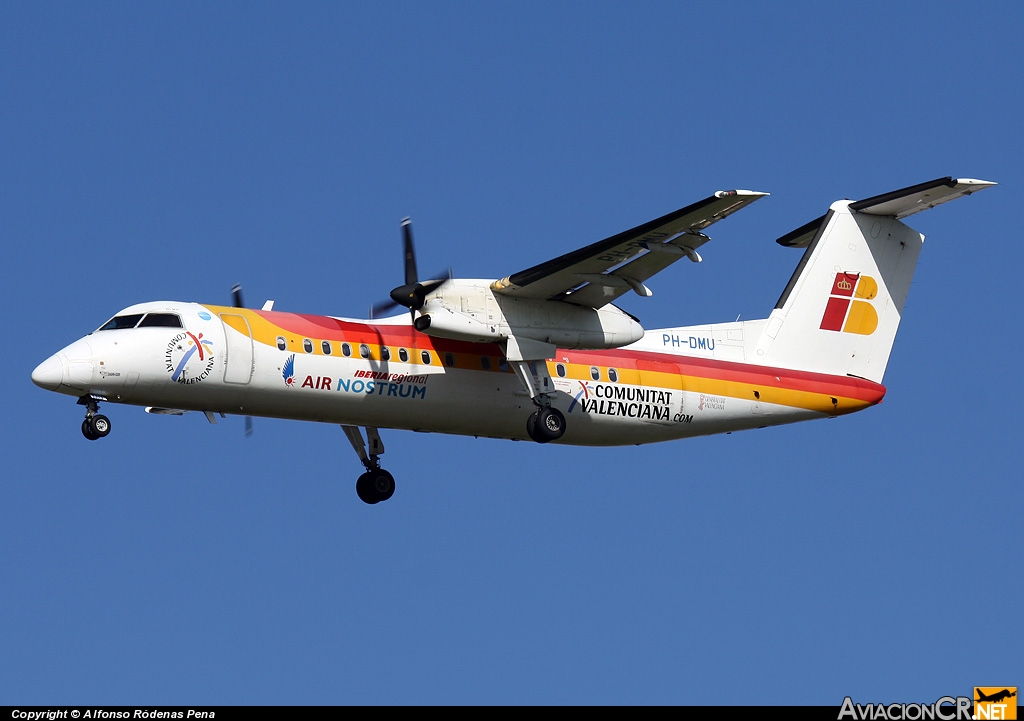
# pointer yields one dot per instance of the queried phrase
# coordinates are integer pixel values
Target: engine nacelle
(468, 310)
(441, 322)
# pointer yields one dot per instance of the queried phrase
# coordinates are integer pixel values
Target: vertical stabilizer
(841, 309)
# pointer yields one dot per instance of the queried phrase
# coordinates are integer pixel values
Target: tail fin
(841, 309)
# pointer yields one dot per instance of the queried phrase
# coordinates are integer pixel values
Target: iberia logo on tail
(849, 307)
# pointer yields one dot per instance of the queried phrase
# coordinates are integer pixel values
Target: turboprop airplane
(542, 354)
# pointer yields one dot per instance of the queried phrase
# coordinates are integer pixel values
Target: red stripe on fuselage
(332, 329)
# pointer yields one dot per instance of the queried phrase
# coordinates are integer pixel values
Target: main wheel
(87, 430)
(551, 423)
(546, 425)
(99, 425)
(531, 429)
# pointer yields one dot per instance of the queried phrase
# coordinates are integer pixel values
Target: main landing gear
(376, 484)
(95, 425)
(546, 424)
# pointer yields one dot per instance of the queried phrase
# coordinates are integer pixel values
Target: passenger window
(346, 350)
(560, 370)
(161, 320)
(385, 353)
(403, 355)
(595, 373)
(449, 360)
(307, 345)
(503, 364)
(613, 375)
(121, 322)
(485, 363)
(425, 355)
(326, 347)
(364, 350)
(281, 344)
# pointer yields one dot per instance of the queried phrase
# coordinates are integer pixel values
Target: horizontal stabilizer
(802, 236)
(905, 202)
(897, 204)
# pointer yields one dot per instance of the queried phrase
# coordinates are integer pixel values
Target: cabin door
(238, 345)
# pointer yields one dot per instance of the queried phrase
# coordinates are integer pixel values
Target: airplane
(996, 697)
(542, 354)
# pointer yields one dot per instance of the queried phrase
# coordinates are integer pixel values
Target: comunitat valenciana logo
(189, 358)
(989, 702)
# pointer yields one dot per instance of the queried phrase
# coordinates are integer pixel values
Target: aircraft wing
(599, 273)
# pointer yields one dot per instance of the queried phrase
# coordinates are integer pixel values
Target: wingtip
(976, 184)
(730, 193)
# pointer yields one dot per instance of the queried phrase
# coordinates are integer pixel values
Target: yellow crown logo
(844, 285)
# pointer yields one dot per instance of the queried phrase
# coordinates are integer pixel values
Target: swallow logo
(288, 371)
(849, 308)
(995, 702)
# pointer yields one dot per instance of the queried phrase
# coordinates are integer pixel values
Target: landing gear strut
(546, 424)
(376, 484)
(95, 425)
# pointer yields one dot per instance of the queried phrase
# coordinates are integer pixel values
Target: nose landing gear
(95, 425)
(376, 484)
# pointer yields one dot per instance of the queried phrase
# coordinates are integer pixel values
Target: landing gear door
(238, 341)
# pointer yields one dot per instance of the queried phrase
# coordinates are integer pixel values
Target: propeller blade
(236, 295)
(410, 252)
(377, 309)
(413, 294)
(437, 280)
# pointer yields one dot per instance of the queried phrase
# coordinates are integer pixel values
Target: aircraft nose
(80, 365)
(49, 374)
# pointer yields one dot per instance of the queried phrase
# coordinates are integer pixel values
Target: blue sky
(162, 151)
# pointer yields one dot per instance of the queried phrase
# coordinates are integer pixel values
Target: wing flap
(626, 255)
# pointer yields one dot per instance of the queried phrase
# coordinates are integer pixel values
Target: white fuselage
(673, 383)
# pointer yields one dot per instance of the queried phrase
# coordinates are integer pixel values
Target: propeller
(414, 292)
(236, 298)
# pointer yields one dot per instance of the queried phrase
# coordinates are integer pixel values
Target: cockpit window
(161, 320)
(120, 322)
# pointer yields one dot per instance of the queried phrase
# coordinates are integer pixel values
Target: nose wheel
(96, 425)
(376, 484)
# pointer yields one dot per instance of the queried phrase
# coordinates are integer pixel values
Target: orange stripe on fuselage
(819, 392)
